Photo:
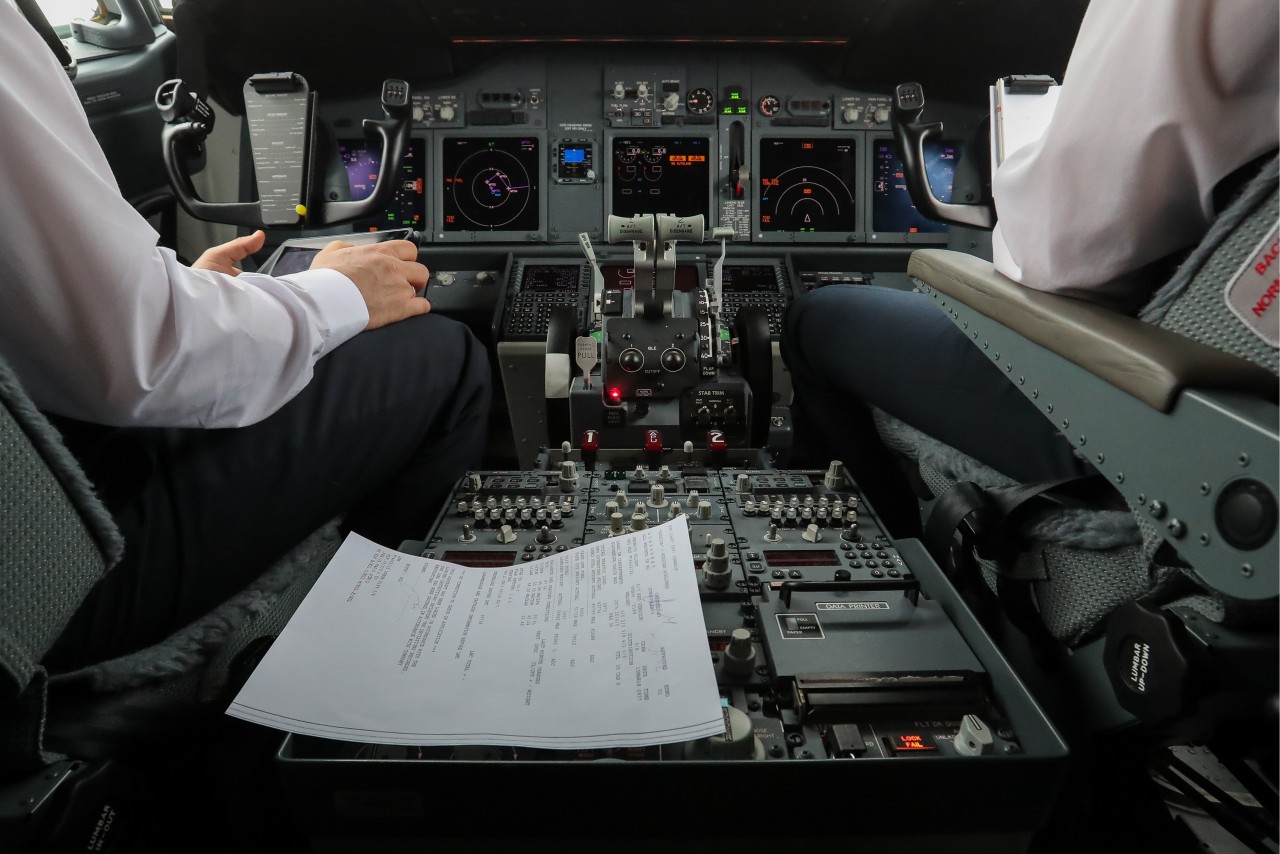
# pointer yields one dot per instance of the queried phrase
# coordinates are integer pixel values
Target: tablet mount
(280, 112)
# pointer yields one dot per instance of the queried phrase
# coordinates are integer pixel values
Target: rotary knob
(631, 360)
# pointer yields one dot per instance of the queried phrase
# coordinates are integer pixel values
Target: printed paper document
(603, 645)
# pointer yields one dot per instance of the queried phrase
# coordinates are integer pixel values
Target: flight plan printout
(603, 645)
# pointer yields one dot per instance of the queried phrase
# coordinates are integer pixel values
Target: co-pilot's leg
(852, 346)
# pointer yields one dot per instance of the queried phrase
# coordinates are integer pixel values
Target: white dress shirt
(1160, 101)
(101, 324)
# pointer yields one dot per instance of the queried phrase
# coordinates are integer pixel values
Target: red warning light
(615, 395)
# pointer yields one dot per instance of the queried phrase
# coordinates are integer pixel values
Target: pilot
(221, 415)
(1160, 103)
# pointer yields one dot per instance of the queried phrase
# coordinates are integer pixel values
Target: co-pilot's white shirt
(1161, 100)
(102, 325)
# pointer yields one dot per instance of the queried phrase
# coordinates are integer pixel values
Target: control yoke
(911, 134)
(280, 112)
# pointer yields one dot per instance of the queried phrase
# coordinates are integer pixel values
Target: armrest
(1188, 435)
(1150, 363)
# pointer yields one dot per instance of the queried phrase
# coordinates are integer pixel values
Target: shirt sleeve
(99, 322)
(1160, 101)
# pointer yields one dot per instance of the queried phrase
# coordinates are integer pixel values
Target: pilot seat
(1144, 595)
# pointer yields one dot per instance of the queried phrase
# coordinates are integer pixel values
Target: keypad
(774, 304)
(529, 314)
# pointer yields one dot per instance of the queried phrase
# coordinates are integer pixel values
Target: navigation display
(662, 175)
(807, 185)
(490, 184)
(407, 208)
(891, 207)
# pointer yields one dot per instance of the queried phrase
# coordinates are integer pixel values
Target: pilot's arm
(101, 324)
(1160, 101)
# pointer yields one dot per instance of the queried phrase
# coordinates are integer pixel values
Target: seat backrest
(56, 541)
(1193, 303)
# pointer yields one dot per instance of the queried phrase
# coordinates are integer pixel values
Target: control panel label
(852, 606)
(800, 627)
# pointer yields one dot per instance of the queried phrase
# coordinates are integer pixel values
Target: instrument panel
(543, 145)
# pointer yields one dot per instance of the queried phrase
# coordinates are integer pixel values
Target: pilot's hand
(223, 258)
(387, 274)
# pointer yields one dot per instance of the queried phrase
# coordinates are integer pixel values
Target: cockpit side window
(61, 13)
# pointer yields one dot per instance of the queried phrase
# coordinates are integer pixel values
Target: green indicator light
(724, 334)
(598, 335)
(735, 96)
(742, 111)
(728, 111)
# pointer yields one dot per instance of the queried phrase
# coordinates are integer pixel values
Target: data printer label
(852, 606)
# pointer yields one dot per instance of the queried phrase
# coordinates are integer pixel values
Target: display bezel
(859, 142)
(440, 235)
(889, 237)
(378, 223)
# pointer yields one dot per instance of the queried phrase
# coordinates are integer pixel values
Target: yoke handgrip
(911, 135)
(393, 130)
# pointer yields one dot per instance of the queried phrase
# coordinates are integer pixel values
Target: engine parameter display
(661, 175)
(807, 185)
(490, 184)
(891, 206)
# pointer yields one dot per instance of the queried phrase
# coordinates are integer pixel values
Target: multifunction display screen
(749, 278)
(407, 208)
(662, 175)
(807, 185)
(490, 184)
(549, 278)
(891, 206)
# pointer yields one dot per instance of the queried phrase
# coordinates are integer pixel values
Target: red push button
(653, 441)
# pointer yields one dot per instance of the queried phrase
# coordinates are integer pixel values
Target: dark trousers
(386, 427)
(853, 346)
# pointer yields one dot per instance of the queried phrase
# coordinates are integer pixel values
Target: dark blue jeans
(853, 346)
(388, 424)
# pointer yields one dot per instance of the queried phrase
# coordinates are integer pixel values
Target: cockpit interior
(910, 650)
